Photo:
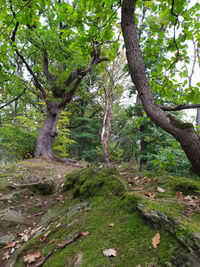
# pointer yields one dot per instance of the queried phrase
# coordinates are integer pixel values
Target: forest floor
(53, 214)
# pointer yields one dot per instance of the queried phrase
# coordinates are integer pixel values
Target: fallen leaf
(85, 233)
(10, 245)
(1, 194)
(12, 250)
(109, 252)
(160, 189)
(6, 255)
(156, 240)
(24, 237)
(43, 238)
(151, 195)
(188, 198)
(111, 224)
(32, 257)
(179, 195)
(136, 178)
(88, 209)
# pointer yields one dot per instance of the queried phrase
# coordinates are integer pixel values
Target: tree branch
(50, 78)
(16, 98)
(80, 74)
(180, 107)
(35, 78)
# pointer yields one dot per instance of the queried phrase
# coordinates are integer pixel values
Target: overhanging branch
(16, 98)
(180, 107)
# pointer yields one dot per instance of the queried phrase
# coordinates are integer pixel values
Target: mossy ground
(131, 236)
(106, 191)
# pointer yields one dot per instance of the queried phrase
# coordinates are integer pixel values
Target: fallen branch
(59, 246)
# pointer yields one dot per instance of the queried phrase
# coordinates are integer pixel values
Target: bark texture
(184, 133)
(105, 128)
(48, 132)
(143, 143)
(198, 117)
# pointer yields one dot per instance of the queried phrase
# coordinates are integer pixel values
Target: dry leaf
(156, 240)
(111, 224)
(24, 237)
(110, 252)
(12, 250)
(88, 209)
(179, 195)
(6, 255)
(160, 189)
(10, 245)
(1, 194)
(32, 257)
(151, 195)
(85, 233)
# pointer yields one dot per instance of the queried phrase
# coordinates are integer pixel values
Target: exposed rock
(51, 214)
(4, 240)
(79, 260)
(11, 216)
(11, 196)
(76, 208)
(44, 188)
(189, 240)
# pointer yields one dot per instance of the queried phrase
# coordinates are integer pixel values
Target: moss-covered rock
(92, 182)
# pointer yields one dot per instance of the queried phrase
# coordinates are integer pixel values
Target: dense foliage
(44, 43)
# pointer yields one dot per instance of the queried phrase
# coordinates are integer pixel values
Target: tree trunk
(15, 108)
(184, 133)
(48, 132)
(143, 143)
(105, 133)
(198, 117)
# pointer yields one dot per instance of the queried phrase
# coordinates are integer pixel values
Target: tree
(184, 133)
(111, 81)
(58, 42)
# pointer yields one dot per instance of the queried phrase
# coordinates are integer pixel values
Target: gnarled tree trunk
(184, 133)
(48, 132)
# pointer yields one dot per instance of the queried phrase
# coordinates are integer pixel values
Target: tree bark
(48, 132)
(106, 131)
(184, 133)
(143, 143)
(198, 117)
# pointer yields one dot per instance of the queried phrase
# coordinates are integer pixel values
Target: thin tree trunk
(184, 133)
(48, 133)
(15, 108)
(143, 143)
(198, 117)
(106, 131)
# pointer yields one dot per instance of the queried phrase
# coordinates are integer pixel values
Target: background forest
(65, 86)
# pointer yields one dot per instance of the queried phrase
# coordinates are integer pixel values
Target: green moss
(5, 175)
(179, 124)
(170, 207)
(129, 202)
(131, 236)
(185, 185)
(91, 182)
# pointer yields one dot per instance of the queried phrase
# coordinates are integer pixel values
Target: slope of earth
(98, 216)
